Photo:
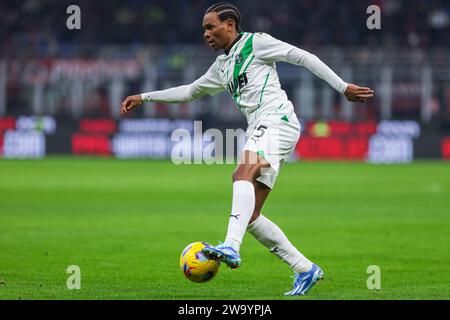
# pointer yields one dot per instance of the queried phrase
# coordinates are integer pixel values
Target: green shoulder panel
(242, 56)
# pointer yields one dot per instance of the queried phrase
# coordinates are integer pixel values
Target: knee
(247, 172)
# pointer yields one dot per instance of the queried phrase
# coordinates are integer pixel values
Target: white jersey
(248, 72)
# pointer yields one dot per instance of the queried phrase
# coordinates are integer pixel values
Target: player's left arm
(272, 50)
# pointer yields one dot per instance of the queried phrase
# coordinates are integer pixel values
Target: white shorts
(273, 138)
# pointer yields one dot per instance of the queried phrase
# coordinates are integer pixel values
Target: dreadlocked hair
(226, 10)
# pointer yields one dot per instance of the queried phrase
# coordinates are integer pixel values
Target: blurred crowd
(411, 23)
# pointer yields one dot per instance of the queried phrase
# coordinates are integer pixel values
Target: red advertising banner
(92, 144)
(104, 126)
(332, 148)
(335, 140)
(445, 147)
(340, 128)
(7, 124)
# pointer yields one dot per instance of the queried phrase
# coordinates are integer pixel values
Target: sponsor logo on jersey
(238, 83)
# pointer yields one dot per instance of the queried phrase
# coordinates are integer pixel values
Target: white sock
(270, 235)
(241, 212)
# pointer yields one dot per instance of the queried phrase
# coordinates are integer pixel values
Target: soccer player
(247, 70)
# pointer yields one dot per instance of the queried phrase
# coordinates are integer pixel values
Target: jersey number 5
(258, 133)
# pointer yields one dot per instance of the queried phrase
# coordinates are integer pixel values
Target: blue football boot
(223, 253)
(304, 281)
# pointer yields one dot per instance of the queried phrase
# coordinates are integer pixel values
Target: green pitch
(124, 223)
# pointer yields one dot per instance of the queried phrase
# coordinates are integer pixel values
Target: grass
(124, 223)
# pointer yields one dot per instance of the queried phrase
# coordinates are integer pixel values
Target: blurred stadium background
(60, 89)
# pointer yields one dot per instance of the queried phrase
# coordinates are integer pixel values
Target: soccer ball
(195, 265)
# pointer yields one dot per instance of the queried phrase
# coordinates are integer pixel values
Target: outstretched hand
(129, 103)
(355, 93)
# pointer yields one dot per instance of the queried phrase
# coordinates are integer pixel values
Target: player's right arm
(208, 84)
